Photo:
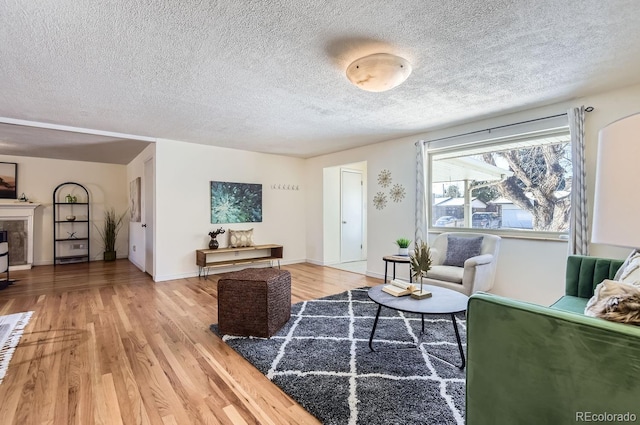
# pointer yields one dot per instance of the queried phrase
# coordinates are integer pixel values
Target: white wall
(609, 107)
(183, 173)
(383, 226)
(527, 269)
(531, 270)
(38, 177)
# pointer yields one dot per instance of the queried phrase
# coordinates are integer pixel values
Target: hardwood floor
(107, 345)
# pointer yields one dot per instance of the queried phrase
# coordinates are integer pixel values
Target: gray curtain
(422, 210)
(579, 226)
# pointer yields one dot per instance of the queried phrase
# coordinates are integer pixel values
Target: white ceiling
(270, 76)
(48, 143)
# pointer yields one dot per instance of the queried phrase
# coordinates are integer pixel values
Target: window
(516, 183)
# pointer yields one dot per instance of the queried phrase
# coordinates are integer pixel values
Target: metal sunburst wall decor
(397, 193)
(380, 200)
(384, 178)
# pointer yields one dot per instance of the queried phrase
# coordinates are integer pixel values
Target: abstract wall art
(236, 202)
(134, 200)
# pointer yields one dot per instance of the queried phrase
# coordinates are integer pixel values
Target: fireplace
(17, 219)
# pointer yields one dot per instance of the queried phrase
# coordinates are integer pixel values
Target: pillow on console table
(460, 249)
(240, 238)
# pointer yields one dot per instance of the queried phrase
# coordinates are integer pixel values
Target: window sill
(506, 234)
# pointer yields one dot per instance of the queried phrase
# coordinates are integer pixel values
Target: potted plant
(109, 232)
(403, 246)
(420, 265)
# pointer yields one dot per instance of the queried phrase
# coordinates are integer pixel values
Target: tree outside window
(522, 184)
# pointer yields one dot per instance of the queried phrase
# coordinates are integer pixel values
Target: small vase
(109, 256)
(404, 252)
(213, 243)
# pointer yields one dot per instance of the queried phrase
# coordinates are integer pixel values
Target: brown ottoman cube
(254, 302)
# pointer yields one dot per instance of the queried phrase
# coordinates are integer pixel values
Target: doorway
(345, 217)
(351, 214)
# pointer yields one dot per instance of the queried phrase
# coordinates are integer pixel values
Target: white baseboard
(141, 267)
(375, 275)
(20, 267)
(176, 276)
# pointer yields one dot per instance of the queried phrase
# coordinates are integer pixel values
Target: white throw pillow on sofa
(625, 264)
(631, 271)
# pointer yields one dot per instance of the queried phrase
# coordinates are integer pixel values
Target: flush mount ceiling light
(378, 72)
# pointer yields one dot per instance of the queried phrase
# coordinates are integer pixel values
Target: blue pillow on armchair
(460, 249)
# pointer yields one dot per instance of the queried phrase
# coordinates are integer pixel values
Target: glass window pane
(522, 186)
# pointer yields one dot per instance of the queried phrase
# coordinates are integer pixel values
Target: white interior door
(147, 223)
(351, 214)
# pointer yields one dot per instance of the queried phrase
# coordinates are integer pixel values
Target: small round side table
(396, 259)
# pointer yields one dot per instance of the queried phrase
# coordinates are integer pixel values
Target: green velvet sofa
(530, 364)
(583, 274)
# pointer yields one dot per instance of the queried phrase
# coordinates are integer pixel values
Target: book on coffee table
(398, 288)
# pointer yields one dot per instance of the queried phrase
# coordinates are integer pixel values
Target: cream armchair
(467, 266)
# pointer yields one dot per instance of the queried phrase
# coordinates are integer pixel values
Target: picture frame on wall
(8, 180)
(235, 202)
(134, 200)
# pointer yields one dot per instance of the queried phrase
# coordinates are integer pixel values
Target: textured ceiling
(270, 76)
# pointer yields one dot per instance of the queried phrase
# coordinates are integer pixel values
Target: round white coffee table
(443, 301)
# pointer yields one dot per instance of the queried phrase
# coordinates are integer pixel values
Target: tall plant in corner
(420, 265)
(109, 232)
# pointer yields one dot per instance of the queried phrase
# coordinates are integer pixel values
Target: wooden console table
(204, 261)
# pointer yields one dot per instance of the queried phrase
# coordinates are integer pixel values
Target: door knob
(344, 222)
(144, 225)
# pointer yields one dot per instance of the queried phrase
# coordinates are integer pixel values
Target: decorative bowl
(71, 217)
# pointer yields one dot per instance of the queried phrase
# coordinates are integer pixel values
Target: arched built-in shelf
(71, 223)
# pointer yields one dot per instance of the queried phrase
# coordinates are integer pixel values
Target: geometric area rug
(321, 358)
(11, 328)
